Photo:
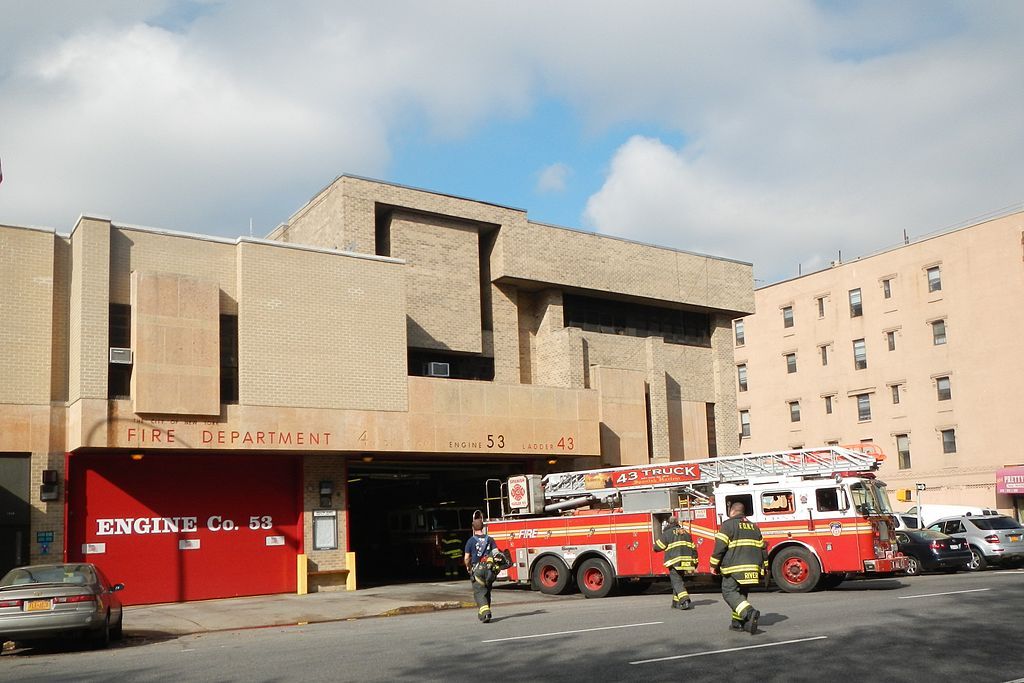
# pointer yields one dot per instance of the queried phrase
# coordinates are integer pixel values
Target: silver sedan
(56, 600)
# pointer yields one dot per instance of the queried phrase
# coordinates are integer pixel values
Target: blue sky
(779, 133)
(503, 160)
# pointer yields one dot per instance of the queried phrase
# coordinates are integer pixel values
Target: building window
(794, 411)
(119, 336)
(903, 449)
(787, 316)
(943, 388)
(895, 393)
(821, 306)
(740, 338)
(709, 420)
(863, 407)
(887, 288)
(636, 320)
(856, 310)
(948, 440)
(824, 354)
(860, 355)
(890, 339)
(229, 359)
(828, 405)
(424, 363)
(939, 332)
(934, 279)
(790, 363)
(741, 376)
(744, 423)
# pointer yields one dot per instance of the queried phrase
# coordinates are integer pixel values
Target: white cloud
(806, 128)
(553, 178)
(247, 111)
(831, 155)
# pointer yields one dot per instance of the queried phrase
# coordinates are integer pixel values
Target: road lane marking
(932, 595)
(730, 649)
(565, 633)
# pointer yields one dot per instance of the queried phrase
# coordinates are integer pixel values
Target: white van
(930, 513)
(906, 521)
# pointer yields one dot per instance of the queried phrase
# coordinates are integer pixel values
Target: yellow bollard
(350, 564)
(301, 575)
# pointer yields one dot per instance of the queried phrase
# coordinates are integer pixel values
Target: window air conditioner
(437, 370)
(122, 356)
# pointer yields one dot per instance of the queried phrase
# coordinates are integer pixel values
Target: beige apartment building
(315, 406)
(916, 349)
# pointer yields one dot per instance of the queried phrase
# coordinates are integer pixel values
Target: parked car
(928, 550)
(993, 539)
(57, 600)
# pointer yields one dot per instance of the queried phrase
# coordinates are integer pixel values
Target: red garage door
(187, 527)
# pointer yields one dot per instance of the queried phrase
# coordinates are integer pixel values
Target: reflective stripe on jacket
(740, 551)
(451, 547)
(680, 550)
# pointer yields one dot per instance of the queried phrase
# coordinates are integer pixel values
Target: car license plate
(1014, 538)
(38, 605)
(954, 546)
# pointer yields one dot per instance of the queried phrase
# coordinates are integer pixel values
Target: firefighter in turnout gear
(451, 552)
(742, 560)
(680, 557)
(483, 562)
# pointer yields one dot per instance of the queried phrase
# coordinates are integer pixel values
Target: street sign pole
(920, 518)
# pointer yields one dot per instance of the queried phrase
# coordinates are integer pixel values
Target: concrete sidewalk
(173, 619)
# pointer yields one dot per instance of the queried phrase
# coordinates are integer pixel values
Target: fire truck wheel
(595, 578)
(550, 576)
(796, 570)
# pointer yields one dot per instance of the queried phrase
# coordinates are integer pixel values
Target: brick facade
(980, 272)
(327, 309)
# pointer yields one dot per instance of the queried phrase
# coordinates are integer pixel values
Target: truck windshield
(882, 496)
(870, 498)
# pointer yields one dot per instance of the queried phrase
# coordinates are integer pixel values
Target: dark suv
(994, 539)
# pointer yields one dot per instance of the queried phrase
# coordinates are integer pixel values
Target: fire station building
(207, 417)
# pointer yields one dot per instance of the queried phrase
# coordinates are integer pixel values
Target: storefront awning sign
(1010, 480)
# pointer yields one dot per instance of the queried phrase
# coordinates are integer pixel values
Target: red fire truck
(822, 511)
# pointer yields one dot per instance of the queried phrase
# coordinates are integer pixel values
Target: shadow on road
(70, 645)
(518, 615)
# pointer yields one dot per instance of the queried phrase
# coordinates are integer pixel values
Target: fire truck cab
(822, 512)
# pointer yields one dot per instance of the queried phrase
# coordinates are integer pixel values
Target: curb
(420, 609)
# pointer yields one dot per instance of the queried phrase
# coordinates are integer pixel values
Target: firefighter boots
(735, 625)
(685, 604)
(754, 616)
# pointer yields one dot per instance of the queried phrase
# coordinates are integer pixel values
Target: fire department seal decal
(836, 528)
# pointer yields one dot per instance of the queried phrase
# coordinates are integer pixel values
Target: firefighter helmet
(499, 559)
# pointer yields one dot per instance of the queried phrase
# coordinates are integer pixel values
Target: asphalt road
(931, 628)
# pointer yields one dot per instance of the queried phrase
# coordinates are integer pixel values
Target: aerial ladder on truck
(565, 490)
(828, 516)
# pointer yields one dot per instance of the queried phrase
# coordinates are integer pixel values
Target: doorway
(15, 510)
